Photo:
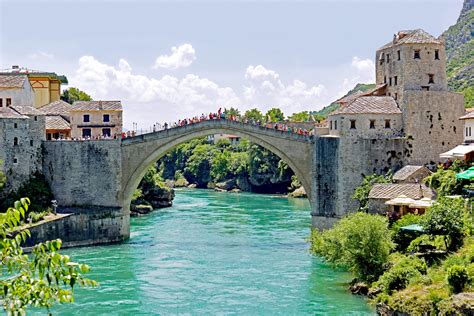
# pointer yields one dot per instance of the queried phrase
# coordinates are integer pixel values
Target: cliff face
(460, 53)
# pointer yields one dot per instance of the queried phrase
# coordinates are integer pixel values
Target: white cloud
(360, 71)
(182, 56)
(265, 89)
(40, 55)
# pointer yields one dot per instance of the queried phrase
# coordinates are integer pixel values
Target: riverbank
(215, 253)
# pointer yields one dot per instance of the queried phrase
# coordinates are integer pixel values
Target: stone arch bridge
(95, 180)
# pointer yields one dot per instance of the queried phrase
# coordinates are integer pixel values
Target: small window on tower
(395, 95)
(335, 124)
(1, 103)
(395, 80)
(388, 58)
(353, 124)
(390, 81)
(430, 78)
(387, 123)
(86, 118)
(372, 124)
(417, 54)
(9, 101)
(384, 79)
(330, 124)
(437, 54)
(398, 55)
(31, 142)
(381, 59)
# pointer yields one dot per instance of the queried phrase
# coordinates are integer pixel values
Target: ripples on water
(214, 254)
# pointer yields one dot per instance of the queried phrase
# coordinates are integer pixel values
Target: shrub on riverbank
(360, 242)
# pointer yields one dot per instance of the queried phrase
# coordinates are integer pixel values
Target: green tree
(198, 166)
(300, 117)
(361, 193)
(360, 242)
(266, 169)
(73, 94)
(232, 111)
(41, 279)
(444, 182)
(447, 217)
(274, 115)
(254, 115)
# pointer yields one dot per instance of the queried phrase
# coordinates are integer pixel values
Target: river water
(215, 253)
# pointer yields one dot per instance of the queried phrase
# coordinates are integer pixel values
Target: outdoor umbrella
(467, 175)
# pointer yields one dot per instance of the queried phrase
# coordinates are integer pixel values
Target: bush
(458, 278)
(422, 242)
(399, 275)
(360, 242)
(447, 217)
(361, 193)
(444, 182)
(403, 238)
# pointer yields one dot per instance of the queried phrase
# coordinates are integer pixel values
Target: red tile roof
(417, 36)
(389, 191)
(371, 105)
(97, 105)
(12, 81)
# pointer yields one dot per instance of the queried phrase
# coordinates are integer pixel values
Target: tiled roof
(388, 191)
(56, 122)
(371, 105)
(417, 36)
(12, 81)
(406, 172)
(350, 97)
(96, 105)
(56, 108)
(8, 112)
(468, 115)
(26, 110)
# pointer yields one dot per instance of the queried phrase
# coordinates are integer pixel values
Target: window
(31, 142)
(437, 54)
(372, 124)
(395, 80)
(469, 131)
(384, 79)
(15, 141)
(86, 132)
(466, 132)
(335, 124)
(430, 78)
(15, 125)
(15, 161)
(388, 58)
(1, 103)
(86, 118)
(106, 118)
(395, 95)
(353, 124)
(387, 123)
(106, 132)
(425, 88)
(36, 118)
(390, 81)
(416, 54)
(9, 101)
(330, 124)
(398, 55)
(382, 57)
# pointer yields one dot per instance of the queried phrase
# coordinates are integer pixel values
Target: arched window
(15, 141)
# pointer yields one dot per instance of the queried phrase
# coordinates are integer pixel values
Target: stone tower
(413, 69)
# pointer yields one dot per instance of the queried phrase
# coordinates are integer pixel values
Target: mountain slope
(460, 53)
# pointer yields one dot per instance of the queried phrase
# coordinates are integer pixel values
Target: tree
(220, 168)
(254, 115)
(198, 166)
(447, 217)
(360, 242)
(300, 117)
(274, 115)
(73, 94)
(361, 193)
(232, 111)
(41, 279)
(444, 182)
(3, 178)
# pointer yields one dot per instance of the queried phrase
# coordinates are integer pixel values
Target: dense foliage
(361, 242)
(252, 167)
(41, 279)
(73, 94)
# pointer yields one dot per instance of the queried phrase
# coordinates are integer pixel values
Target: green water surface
(215, 254)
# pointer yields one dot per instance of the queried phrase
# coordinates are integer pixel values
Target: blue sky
(298, 55)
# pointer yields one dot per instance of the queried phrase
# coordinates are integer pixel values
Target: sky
(167, 60)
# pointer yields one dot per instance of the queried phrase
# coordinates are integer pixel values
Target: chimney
(100, 105)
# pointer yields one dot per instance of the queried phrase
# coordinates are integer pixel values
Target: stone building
(95, 119)
(468, 120)
(46, 85)
(57, 120)
(15, 89)
(411, 174)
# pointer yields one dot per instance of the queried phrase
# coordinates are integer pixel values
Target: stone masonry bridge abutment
(140, 152)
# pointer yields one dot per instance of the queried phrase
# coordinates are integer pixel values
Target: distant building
(411, 174)
(96, 119)
(15, 89)
(233, 139)
(468, 120)
(57, 120)
(46, 85)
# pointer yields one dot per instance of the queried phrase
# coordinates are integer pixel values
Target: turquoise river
(214, 254)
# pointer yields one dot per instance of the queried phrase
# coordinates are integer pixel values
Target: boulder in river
(298, 193)
(160, 197)
(192, 186)
(226, 185)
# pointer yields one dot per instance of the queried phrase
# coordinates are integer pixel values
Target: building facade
(96, 119)
(15, 89)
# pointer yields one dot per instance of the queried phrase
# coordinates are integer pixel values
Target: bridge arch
(140, 152)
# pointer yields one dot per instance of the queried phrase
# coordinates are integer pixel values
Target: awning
(400, 200)
(458, 152)
(467, 175)
(413, 228)
(423, 203)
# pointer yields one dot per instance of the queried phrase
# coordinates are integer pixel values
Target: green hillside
(333, 106)
(460, 54)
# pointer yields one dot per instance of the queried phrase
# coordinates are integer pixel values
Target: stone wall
(432, 124)
(362, 123)
(83, 173)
